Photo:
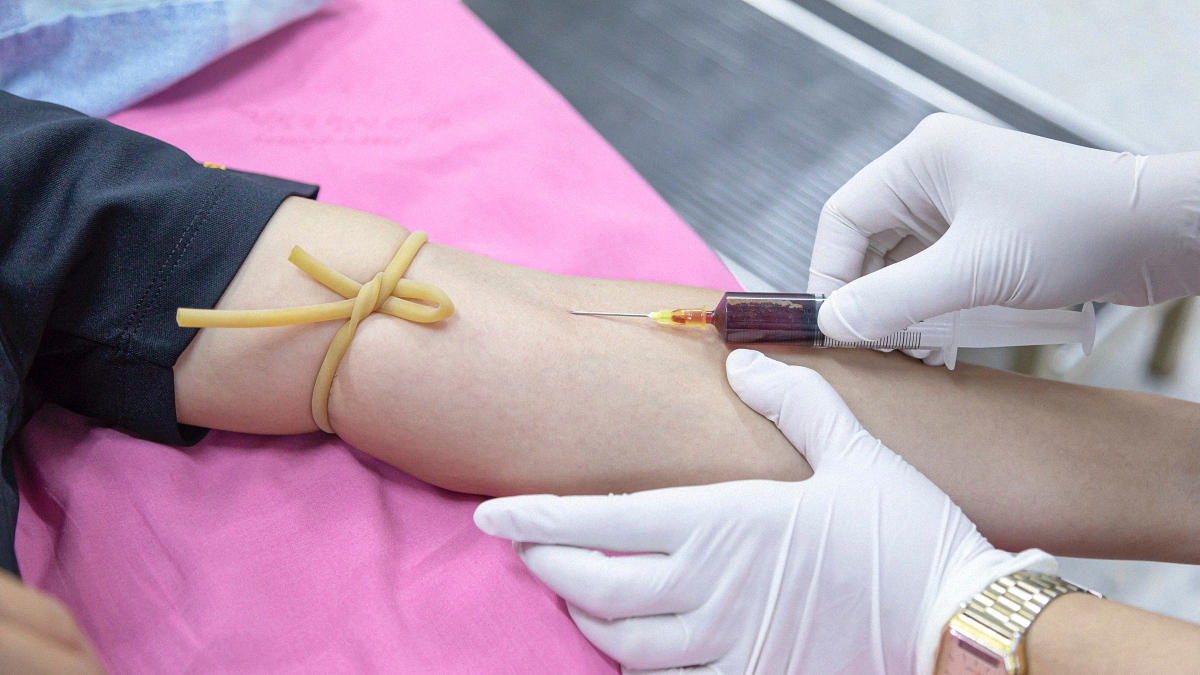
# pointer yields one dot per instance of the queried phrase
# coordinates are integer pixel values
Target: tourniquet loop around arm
(388, 292)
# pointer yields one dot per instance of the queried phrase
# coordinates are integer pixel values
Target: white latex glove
(855, 570)
(961, 214)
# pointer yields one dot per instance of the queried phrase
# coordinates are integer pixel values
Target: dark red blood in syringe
(769, 317)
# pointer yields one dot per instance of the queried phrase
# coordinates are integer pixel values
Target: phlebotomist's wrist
(987, 635)
(966, 575)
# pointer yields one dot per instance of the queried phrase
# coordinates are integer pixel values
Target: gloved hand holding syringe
(791, 318)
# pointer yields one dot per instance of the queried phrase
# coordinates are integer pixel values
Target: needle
(575, 311)
(668, 317)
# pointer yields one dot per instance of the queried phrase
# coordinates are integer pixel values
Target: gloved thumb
(808, 411)
(891, 299)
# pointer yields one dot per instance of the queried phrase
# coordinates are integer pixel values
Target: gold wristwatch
(986, 637)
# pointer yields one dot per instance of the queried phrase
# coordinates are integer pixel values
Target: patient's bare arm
(1074, 470)
(513, 394)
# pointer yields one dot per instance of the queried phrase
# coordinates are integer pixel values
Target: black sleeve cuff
(110, 351)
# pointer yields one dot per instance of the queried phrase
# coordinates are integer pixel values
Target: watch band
(998, 617)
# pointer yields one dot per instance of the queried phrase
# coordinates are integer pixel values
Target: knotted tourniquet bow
(387, 293)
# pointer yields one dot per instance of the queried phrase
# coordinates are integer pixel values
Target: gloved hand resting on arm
(960, 214)
(855, 570)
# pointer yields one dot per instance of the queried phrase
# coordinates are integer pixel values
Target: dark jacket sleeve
(104, 232)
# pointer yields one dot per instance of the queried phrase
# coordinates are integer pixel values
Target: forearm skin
(1074, 470)
(1080, 634)
(515, 395)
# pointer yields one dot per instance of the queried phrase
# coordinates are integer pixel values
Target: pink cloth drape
(250, 554)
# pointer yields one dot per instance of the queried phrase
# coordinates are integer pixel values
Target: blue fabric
(11, 16)
(98, 56)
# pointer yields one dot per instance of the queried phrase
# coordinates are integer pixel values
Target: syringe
(791, 318)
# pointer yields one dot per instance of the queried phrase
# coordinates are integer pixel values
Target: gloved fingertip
(495, 517)
(739, 360)
(822, 284)
(760, 381)
(832, 321)
(936, 357)
(744, 366)
(485, 518)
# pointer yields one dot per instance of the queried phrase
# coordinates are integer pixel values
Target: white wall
(1133, 65)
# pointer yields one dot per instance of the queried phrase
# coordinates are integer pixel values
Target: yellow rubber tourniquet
(387, 293)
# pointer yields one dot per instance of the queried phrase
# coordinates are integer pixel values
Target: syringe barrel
(791, 318)
(768, 317)
(788, 318)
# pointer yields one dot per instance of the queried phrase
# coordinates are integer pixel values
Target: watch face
(962, 657)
